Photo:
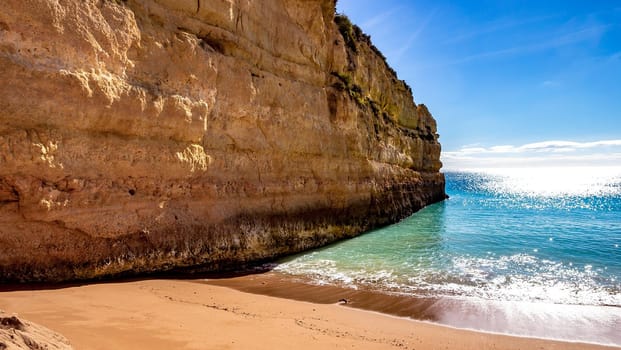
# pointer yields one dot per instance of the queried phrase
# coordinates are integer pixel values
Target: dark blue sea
(511, 248)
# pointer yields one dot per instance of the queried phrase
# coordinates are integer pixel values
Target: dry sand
(183, 314)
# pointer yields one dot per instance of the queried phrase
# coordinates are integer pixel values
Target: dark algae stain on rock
(211, 134)
(11, 322)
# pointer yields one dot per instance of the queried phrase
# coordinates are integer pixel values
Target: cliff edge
(146, 135)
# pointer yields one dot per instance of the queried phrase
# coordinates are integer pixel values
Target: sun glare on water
(554, 182)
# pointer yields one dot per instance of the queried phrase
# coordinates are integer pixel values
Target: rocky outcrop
(16, 333)
(145, 135)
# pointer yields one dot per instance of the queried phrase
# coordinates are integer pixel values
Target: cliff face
(144, 135)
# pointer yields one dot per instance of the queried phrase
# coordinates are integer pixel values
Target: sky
(511, 83)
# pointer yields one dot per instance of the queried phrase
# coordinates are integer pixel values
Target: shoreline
(556, 322)
(198, 314)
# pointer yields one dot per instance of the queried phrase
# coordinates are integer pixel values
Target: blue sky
(511, 83)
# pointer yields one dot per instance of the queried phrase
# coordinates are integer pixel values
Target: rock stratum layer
(146, 135)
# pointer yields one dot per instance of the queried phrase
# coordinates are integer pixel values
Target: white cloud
(400, 51)
(495, 26)
(587, 34)
(379, 19)
(545, 153)
(543, 146)
(550, 83)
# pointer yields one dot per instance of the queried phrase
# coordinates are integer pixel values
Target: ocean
(532, 252)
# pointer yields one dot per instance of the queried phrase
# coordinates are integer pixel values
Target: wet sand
(577, 323)
(192, 314)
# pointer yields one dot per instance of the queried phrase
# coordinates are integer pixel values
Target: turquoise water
(549, 236)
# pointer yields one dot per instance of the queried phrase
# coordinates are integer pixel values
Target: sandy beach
(192, 314)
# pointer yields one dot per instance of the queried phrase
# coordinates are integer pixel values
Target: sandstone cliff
(145, 135)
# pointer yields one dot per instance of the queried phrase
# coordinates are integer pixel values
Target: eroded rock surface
(16, 333)
(144, 135)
